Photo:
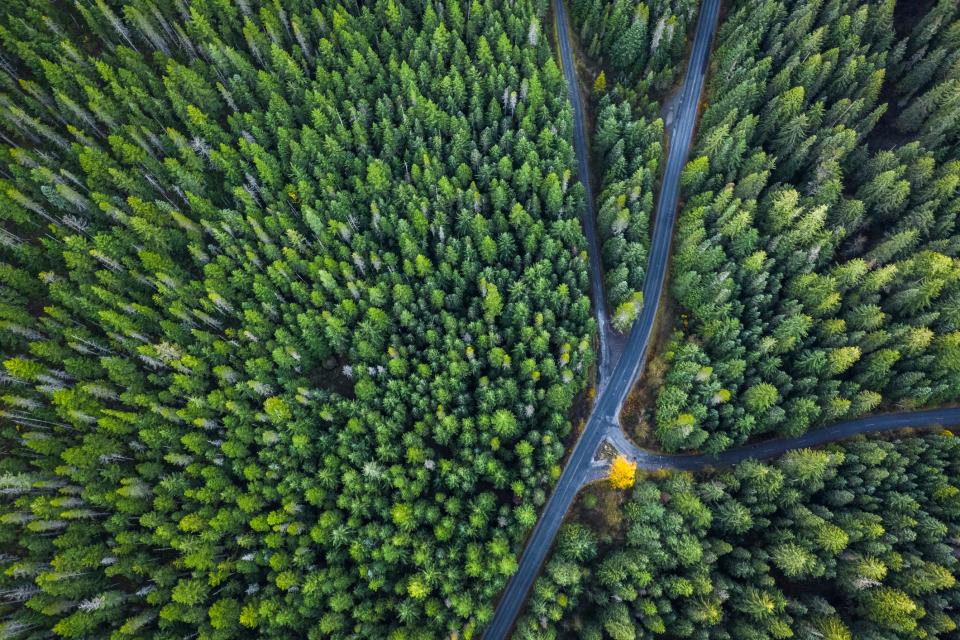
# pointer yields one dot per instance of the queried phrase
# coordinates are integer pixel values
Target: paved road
(611, 395)
(588, 219)
(651, 461)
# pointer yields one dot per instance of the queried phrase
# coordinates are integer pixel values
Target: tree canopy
(292, 314)
(816, 252)
(854, 541)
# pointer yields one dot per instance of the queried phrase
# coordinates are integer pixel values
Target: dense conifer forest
(816, 269)
(816, 254)
(293, 314)
(855, 541)
(295, 327)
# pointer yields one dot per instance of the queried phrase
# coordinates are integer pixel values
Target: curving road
(653, 461)
(613, 389)
(588, 219)
(615, 379)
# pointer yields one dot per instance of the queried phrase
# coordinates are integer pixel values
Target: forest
(295, 330)
(854, 541)
(815, 259)
(293, 314)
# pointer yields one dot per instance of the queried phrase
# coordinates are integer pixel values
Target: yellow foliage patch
(622, 473)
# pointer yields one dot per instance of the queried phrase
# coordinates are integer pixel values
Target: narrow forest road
(652, 460)
(615, 379)
(612, 389)
(588, 219)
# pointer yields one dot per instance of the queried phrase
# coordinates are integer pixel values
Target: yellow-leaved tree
(622, 473)
(600, 84)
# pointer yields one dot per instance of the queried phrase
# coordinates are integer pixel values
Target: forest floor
(600, 507)
(639, 409)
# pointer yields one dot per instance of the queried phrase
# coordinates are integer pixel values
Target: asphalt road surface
(651, 461)
(588, 218)
(613, 389)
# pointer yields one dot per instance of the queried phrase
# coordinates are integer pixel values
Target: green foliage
(292, 314)
(641, 40)
(631, 148)
(561, 584)
(819, 275)
(927, 79)
(851, 542)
